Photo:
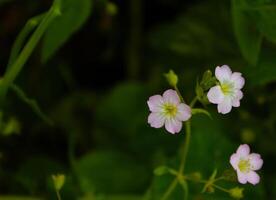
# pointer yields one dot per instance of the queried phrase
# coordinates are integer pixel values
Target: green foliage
(73, 15)
(248, 36)
(110, 172)
(34, 173)
(254, 21)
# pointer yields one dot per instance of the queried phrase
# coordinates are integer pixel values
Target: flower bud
(236, 192)
(172, 78)
(159, 171)
(58, 180)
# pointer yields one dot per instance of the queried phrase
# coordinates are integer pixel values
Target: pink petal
(238, 80)
(243, 150)
(255, 161)
(156, 120)
(173, 125)
(253, 177)
(236, 103)
(215, 95)
(242, 178)
(225, 106)
(223, 73)
(184, 112)
(171, 96)
(155, 103)
(234, 160)
(238, 94)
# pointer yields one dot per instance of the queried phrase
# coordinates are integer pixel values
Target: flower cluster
(224, 89)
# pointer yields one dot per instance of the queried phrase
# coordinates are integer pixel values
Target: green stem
(133, 59)
(186, 147)
(220, 188)
(58, 195)
(192, 104)
(18, 64)
(184, 185)
(179, 94)
(28, 28)
(170, 189)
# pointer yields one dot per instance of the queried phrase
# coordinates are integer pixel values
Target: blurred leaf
(110, 172)
(194, 34)
(34, 172)
(265, 71)
(74, 15)
(248, 36)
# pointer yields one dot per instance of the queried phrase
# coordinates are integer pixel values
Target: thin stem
(58, 195)
(186, 146)
(220, 188)
(170, 189)
(24, 33)
(184, 185)
(179, 94)
(192, 104)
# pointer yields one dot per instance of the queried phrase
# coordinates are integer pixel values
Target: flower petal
(236, 103)
(215, 95)
(184, 112)
(255, 161)
(225, 106)
(253, 177)
(234, 160)
(155, 103)
(171, 96)
(156, 120)
(243, 150)
(173, 125)
(223, 73)
(238, 80)
(242, 178)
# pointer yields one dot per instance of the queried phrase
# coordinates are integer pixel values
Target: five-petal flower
(246, 164)
(168, 110)
(228, 93)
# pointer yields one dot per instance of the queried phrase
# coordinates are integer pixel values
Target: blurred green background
(92, 73)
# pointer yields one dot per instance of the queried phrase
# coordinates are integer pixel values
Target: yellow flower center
(227, 88)
(244, 166)
(170, 110)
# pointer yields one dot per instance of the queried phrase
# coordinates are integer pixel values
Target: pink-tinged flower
(168, 110)
(246, 163)
(228, 93)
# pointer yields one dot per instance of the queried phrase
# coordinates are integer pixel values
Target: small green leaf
(73, 15)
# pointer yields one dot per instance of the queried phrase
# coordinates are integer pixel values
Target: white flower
(246, 164)
(168, 110)
(228, 93)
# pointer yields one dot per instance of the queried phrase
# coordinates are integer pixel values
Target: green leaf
(248, 36)
(110, 172)
(74, 15)
(265, 71)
